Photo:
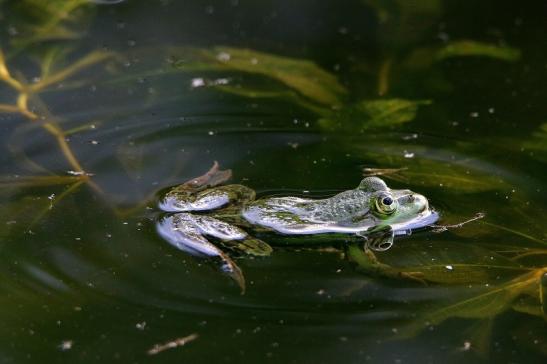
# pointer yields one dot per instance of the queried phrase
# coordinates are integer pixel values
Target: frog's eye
(385, 204)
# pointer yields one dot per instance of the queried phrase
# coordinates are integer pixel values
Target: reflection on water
(92, 135)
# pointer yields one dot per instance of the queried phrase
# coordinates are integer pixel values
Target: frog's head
(400, 209)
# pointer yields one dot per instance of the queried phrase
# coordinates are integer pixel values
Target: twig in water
(181, 341)
(441, 228)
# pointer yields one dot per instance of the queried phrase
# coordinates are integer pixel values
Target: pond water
(104, 104)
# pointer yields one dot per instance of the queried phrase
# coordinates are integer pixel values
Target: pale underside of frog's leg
(187, 232)
(180, 199)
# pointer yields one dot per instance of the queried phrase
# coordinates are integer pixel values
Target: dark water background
(88, 269)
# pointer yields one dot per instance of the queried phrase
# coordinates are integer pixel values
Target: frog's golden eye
(385, 204)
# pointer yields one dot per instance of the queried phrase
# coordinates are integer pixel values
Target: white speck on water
(408, 154)
(491, 110)
(221, 81)
(12, 31)
(449, 267)
(474, 114)
(211, 132)
(410, 137)
(293, 145)
(321, 292)
(198, 82)
(466, 346)
(66, 345)
(94, 142)
(141, 325)
(223, 56)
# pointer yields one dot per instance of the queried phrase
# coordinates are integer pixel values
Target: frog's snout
(421, 202)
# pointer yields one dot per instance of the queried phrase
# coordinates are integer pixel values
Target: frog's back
(294, 215)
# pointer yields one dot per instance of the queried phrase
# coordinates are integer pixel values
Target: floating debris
(158, 348)
(66, 345)
(368, 172)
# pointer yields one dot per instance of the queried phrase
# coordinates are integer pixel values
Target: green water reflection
(104, 105)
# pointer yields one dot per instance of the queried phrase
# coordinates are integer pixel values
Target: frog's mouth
(424, 219)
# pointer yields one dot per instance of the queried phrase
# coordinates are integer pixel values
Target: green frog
(202, 212)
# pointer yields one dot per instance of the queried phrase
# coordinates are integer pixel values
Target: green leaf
(391, 111)
(373, 114)
(37, 21)
(538, 143)
(455, 175)
(301, 75)
(485, 303)
(466, 48)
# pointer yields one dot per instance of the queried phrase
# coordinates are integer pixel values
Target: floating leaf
(301, 75)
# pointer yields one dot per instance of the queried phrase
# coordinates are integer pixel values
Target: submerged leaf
(390, 111)
(424, 57)
(301, 75)
(373, 114)
(538, 143)
(38, 21)
(483, 304)
(465, 48)
(458, 175)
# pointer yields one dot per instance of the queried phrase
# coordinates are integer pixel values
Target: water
(85, 276)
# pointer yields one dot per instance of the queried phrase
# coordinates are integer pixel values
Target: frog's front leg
(183, 198)
(379, 240)
(365, 258)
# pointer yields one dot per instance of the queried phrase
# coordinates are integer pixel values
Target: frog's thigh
(181, 231)
(210, 199)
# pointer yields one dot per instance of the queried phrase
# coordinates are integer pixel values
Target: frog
(204, 214)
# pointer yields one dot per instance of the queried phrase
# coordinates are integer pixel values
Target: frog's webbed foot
(187, 232)
(201, 193)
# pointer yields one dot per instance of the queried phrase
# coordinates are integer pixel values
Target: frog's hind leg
(182, 231)
(182, 199)
(187, 232)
